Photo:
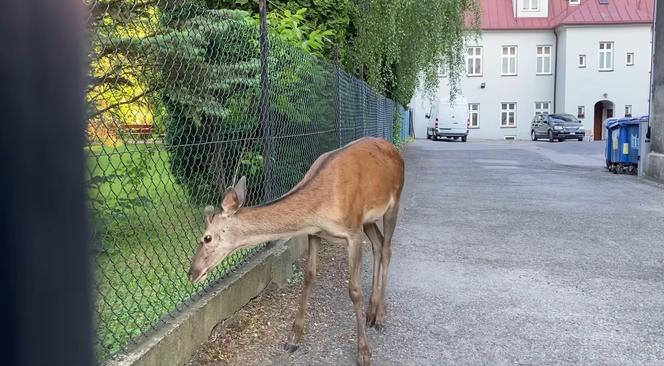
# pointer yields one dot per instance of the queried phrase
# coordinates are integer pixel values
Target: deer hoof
(364, 359)
(371, 320)
(290, 347)
(379, 327)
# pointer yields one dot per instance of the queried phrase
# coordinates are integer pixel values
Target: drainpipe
(555, 73)
(652, 66)
(644, 146)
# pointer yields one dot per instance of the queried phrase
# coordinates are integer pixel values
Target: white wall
(525, 89)
(625, 85)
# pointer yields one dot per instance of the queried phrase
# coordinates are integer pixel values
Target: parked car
(556, 127)
(448, 119)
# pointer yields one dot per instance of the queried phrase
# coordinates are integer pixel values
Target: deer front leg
(376, 238)
(355, 292)
(295, 336)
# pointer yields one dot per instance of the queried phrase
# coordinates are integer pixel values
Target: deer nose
(192, 274)
(197, 274)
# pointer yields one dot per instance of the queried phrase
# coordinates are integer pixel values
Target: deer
(341, 198)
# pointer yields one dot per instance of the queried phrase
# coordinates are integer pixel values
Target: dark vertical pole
(364, 122)
(45, 279)
(655, 163)
(380, 121)
(411, 126)
(337, 93)
(265, 101)
(389, 119)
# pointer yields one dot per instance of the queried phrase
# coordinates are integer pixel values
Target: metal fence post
(382, 117)
(337, 93)
(265, 101)
(363, 101)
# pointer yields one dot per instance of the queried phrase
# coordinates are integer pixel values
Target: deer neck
(282, 219)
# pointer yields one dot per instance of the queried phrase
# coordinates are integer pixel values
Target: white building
(590, 58)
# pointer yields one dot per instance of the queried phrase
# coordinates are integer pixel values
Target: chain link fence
(181, 104)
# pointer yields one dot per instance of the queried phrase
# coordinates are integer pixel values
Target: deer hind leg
(376, 238)
(295, 336)
(389, 224)
(355, 292)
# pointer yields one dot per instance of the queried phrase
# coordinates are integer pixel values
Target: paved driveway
(525, 253)
(510, 253)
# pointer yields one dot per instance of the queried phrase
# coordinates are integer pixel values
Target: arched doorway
(603, 110)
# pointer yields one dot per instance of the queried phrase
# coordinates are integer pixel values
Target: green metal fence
(181, 104)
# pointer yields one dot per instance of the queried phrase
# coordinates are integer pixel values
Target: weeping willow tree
(397, 43)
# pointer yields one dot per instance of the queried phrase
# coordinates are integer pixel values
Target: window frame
(585, 61)
(509, 57)
(470, 115)
(629, 110)
(581, 112)
(475, 57)
(541, 110)
(442, 71)
(530, 5)
(507, 112)
(543, 56)
(628, 61)
(610, 51)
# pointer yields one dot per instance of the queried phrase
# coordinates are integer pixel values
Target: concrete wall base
(655, 168)
(177, 340)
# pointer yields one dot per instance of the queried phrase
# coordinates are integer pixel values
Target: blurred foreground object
(44, 270)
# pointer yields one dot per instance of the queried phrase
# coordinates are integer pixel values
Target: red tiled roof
(499, 14)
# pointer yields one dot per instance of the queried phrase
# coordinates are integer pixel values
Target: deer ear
(209, 214)
(234, 197)
(230, 204)
(241, 190)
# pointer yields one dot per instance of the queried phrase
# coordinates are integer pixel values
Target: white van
(447, 119)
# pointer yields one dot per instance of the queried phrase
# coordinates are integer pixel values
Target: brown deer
(342, 196)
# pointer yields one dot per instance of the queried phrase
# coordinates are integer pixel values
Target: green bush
(213, 128)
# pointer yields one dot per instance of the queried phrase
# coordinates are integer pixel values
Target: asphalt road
(512, 253)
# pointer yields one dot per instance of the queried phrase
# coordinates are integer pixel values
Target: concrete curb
(177, 340)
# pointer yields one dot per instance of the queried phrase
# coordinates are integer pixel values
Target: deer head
(222, 233)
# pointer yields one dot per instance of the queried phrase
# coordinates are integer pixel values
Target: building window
(531, 5)
(508, 115)
(574, 2)
(474, 115)
(544, 60)
(581, 112)
(474, 61)
(630, 59)
(542, 108)
(628, 111)
(442, 71)
(606, 56)
(582, 60)
(508, 60)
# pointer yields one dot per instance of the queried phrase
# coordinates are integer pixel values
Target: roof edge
(633, 22)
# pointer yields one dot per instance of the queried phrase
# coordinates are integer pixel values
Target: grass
(145, 235)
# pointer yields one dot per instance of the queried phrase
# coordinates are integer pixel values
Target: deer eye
(207, 239)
